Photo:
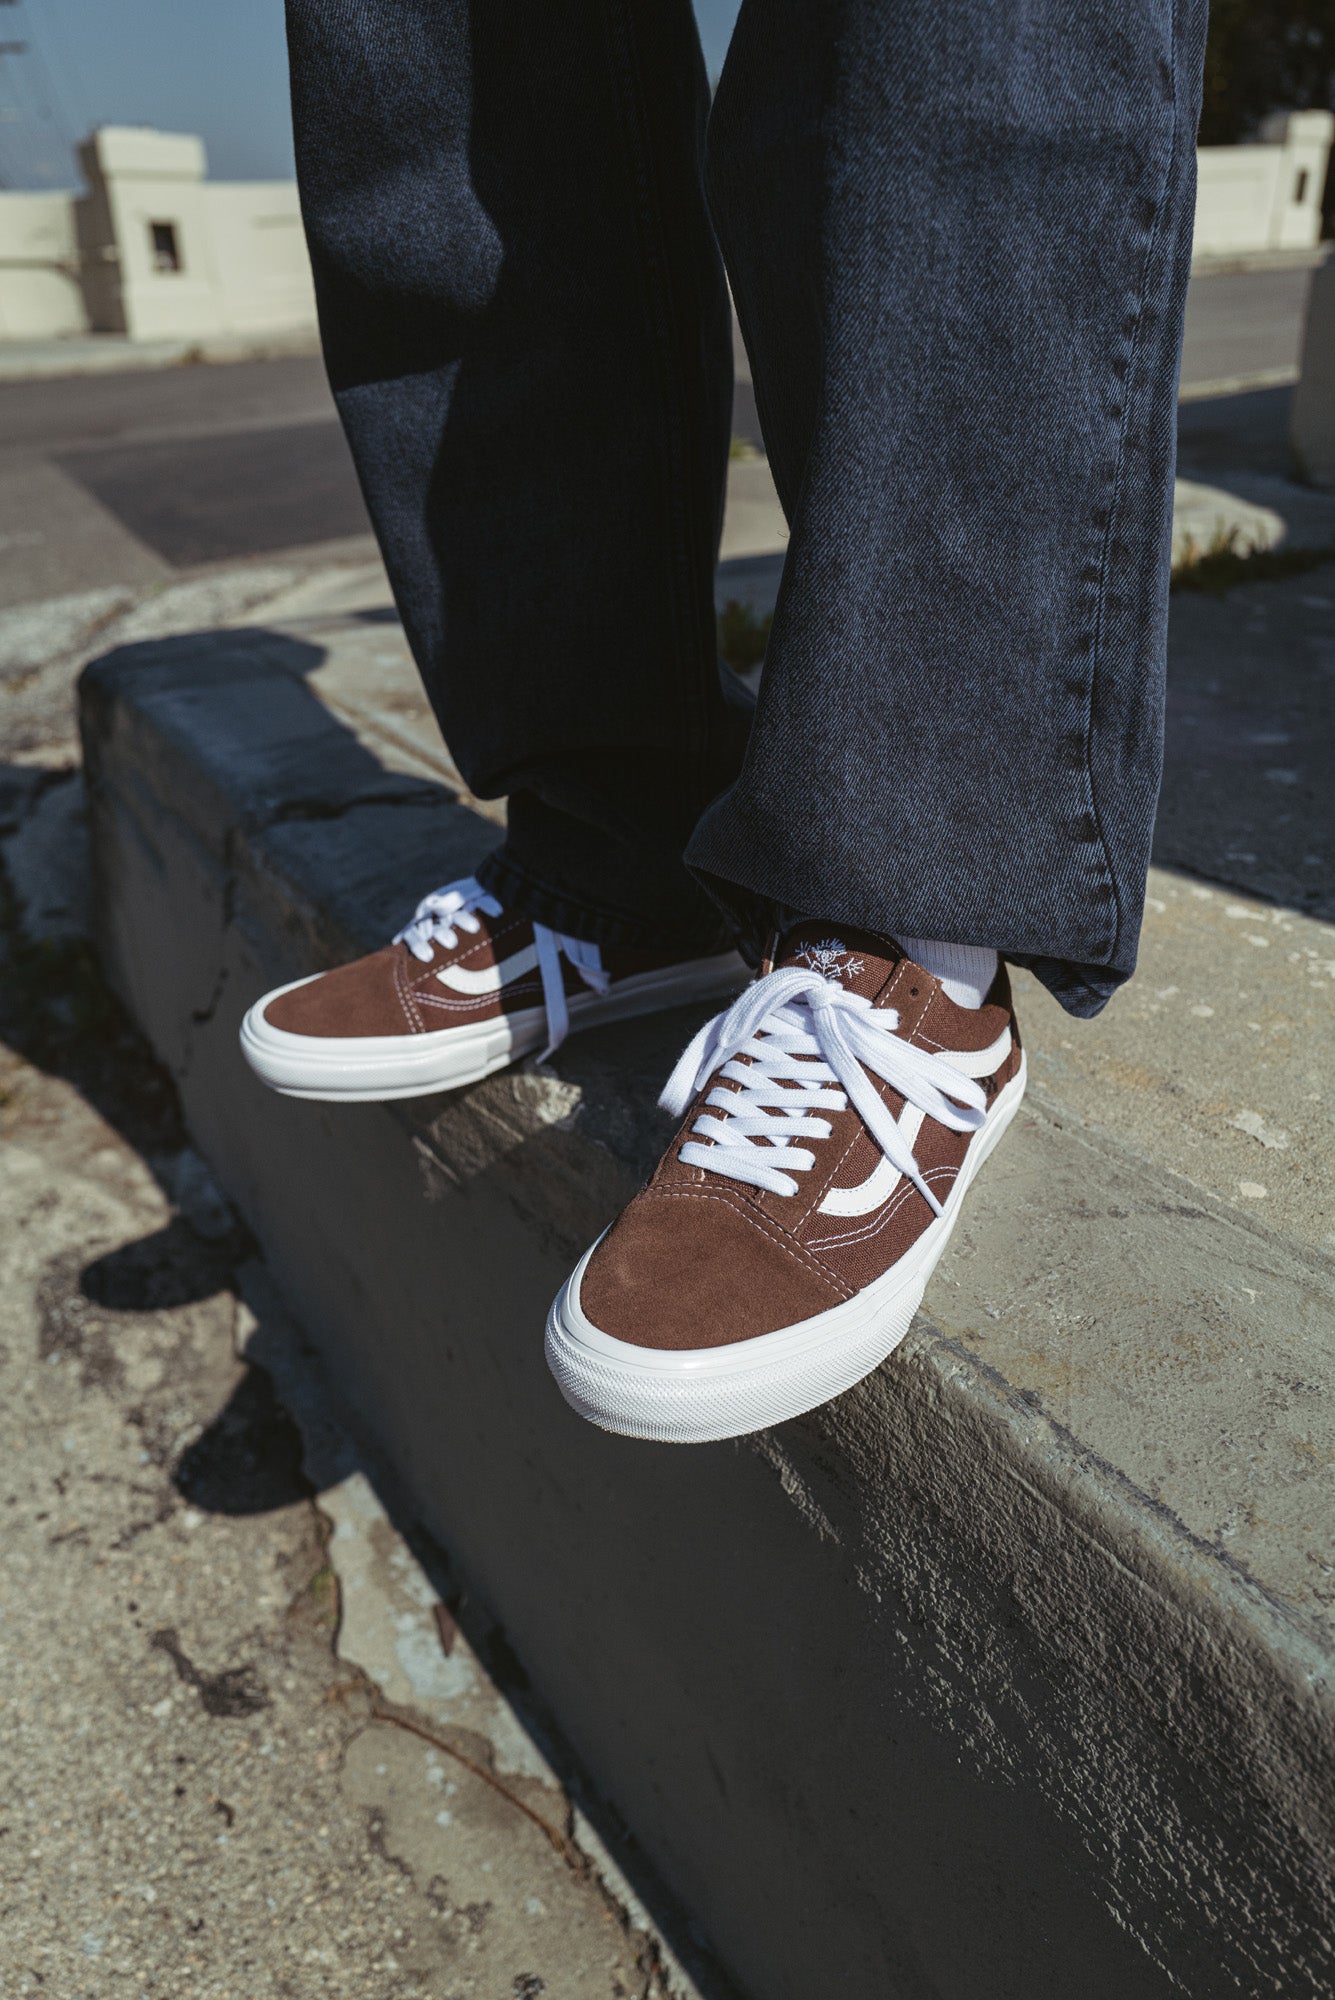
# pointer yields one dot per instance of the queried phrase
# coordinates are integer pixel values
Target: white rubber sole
(705, 1394)
(362, 1069)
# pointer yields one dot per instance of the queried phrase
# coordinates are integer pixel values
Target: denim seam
(661, 327)
(1119, 468)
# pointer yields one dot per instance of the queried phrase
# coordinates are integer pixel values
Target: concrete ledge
(1006, 1675)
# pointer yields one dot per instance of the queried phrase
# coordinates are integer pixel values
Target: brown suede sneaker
(463, 990)
(837, 1113)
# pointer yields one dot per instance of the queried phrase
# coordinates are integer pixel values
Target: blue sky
(218, 69)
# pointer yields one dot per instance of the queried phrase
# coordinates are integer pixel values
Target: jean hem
(516, 887)
(1081, 988)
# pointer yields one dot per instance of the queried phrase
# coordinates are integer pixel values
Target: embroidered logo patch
(831, 959)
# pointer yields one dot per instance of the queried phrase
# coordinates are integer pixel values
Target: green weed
(743, 635)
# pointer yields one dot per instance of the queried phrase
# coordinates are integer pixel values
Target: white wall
(148, 177)
(261, 270)
(69, 263)
(1268, 196)
(40, 292)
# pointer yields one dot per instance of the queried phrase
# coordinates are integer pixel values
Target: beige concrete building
(1264, 197)
(41, 296)
(153, 249)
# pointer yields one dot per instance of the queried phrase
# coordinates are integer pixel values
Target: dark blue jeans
(958, 235)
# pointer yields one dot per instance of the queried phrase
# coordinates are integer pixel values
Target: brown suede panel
(728, 1261)
(364, 998)
(394, 993)
(698, 1267)
(860, 961)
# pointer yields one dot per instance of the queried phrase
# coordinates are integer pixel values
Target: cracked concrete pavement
(257, 1742)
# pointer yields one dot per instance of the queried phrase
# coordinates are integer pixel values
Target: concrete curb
(950, 1689)
(116, 354)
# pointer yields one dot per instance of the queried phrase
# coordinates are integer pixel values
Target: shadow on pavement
(1222, 434)
(250, 1459)
(232, 495)
(1247, 798)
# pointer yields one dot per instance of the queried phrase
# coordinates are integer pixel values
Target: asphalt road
(110, 479)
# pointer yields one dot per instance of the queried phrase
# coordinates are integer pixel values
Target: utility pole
(10, 49)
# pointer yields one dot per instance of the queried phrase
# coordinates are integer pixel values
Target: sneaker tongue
(859, 961)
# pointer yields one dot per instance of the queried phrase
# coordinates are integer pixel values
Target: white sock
(966, 971)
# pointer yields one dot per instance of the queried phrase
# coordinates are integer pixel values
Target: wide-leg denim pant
(958, 235)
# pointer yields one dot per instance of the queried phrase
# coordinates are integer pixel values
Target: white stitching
(406, 1000)
(492, 938)
(479, 1001)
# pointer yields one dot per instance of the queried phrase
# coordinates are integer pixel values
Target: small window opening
(1300, 186)
(166, 250)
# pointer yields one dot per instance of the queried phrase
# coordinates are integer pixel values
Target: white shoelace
(809, 1045)
(440, 917)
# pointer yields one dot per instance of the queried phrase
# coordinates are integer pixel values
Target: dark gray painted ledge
(985, 1680)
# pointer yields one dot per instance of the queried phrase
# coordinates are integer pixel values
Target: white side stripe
(980, 1062)
(885, 1177)
(492, 977)
(881, 1182)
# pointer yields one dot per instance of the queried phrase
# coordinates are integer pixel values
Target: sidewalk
(115, 353)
